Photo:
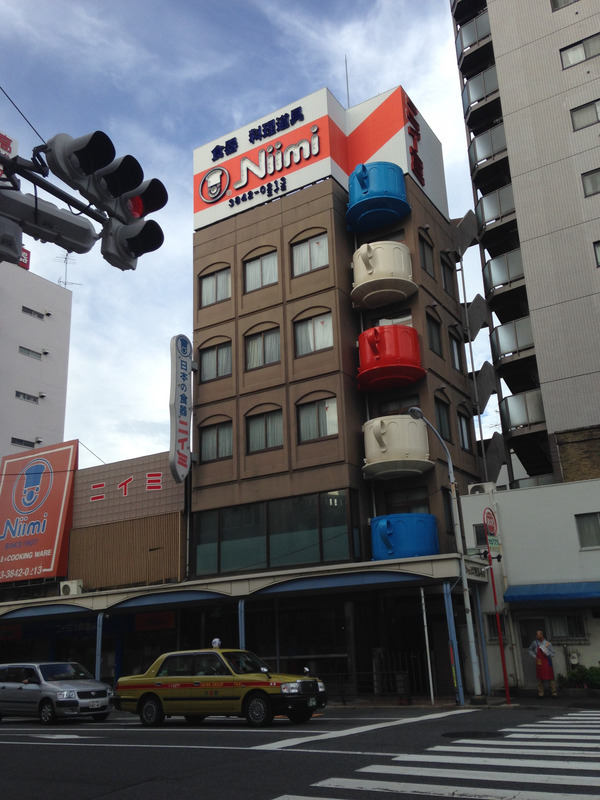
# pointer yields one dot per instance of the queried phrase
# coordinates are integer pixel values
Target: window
(263, 348)
(448, 273)
(442, 419)
(25, 351)
(30, 398)
(32, 312)
(317, 420)
(398, 405)
(456, 353)
(464, 432)
(565, 626)
(588, 529)
(434, 334)
(584, 116)
(491, 624)
(426, 256)
(261, 271)
(215, 288)
(310, 255)
(315, 333)
(215, 362)
(581, 51)
(264, 431)
(597, 253)
(216, 441)
(480, 535)
(401, 318)
(591, 182)
(408, 501)
(557, 4)
(307, 529)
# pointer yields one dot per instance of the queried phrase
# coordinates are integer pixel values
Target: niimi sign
(180, 407)
(35, 512)
(312, 139)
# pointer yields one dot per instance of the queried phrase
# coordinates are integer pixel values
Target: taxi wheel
(151, 712)
(258, 710)
(47, 712)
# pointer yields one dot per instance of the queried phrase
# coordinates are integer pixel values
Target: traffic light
(115, 186)
(43, 221)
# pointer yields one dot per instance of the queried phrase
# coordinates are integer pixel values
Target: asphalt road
(544, 750)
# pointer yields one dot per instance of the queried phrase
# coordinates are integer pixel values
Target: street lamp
(416, 413)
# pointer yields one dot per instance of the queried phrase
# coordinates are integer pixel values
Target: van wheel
(151, 712)
(47, 712)
(259, 712)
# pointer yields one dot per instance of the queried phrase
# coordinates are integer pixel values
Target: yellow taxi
(218, 682)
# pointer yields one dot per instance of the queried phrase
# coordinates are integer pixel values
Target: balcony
(495, 209)
(488, 159)
(522, 411)
(481, 100)
(464, 10)
(382, 274)
(474, 51)
(503, 271)
(389, 357)
(404, 536)
(395, 446)
(512, 339)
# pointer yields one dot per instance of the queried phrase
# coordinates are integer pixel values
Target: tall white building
(531, 101)
(35, 323)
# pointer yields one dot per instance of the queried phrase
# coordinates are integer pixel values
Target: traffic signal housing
(43, 221)
(116, 186)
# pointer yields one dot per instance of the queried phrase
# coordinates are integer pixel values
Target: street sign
(489, 520)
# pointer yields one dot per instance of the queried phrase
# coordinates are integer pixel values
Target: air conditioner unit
(481, 488)
(68, 588)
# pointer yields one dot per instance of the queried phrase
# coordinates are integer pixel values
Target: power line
(22, 114)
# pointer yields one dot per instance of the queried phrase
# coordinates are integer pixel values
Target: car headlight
(109, 692)
(321, 686)
(290, 688)
(66, 695)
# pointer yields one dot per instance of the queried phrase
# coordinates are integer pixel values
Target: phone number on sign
(20, 572)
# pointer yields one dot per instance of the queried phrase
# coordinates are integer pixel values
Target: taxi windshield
(243, 662)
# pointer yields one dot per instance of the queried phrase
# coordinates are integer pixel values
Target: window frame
(556, 5)
(595, 105)
(263, 283)
(317, 405)
(434, 335)
(308, 241)
(251, 337)
(265, 416)
(464, 432)
(426, 260)
(442, 418)
(597, 252)
(593, 185)
(591, 517)
(587, 47)
(214, 276)
(311, 322)
(204, 352)
(448, 275)
(216, 427)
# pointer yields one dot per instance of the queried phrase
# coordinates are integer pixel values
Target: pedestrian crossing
(555, 759)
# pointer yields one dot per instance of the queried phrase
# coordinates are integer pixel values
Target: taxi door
(215, 683)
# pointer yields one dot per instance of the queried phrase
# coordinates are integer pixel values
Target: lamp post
(416, 413)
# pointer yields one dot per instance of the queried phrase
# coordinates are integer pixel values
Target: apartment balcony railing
(494, 207)
(479, 88)
(522, 410)
(503, 270)
(486, 146)
(511, 339)
(472, 33)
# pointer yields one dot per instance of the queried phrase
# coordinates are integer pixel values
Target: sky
(163, 77)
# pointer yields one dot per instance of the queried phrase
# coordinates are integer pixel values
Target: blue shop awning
(353, 580)
(43, 611)
(573, 592)
(160, 599)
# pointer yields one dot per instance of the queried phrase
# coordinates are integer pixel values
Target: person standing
(543, 652)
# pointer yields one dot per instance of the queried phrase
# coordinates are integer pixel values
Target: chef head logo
(214, 185)
(32, 486)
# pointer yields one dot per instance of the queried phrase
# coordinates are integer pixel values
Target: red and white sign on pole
(489, 520)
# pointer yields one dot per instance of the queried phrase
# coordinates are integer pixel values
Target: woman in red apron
(543, 652)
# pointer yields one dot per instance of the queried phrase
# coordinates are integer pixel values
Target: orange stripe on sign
(377, 129)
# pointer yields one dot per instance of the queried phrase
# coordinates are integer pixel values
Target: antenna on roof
(65, 282)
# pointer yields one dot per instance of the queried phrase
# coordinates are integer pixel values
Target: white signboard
(312, 139)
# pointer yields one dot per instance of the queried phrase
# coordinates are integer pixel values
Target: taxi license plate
(312, 702)
(95, 704)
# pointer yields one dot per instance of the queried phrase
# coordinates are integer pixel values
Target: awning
(43, 611)
(352, 580)
(160, 599)
(574, 592)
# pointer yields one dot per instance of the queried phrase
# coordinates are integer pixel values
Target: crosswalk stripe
(533, 743)
(438, 790)
(564, 737)
(479, 775)
(498, 762)
(500, 749)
